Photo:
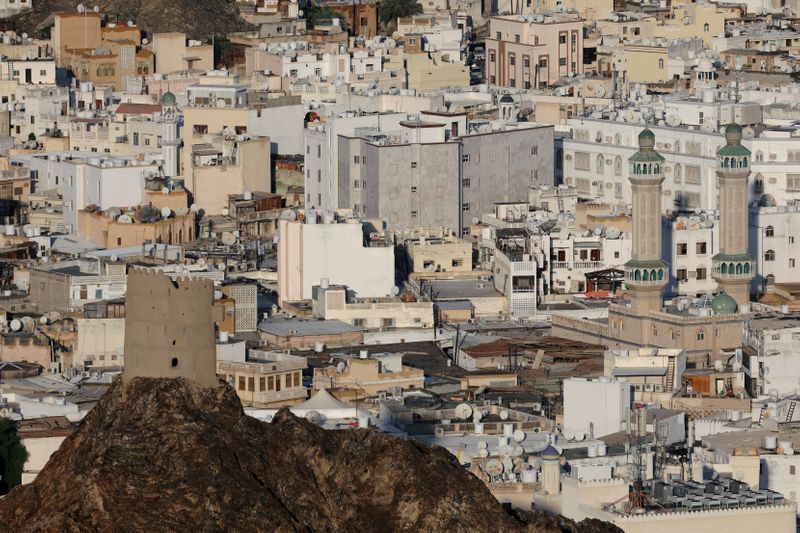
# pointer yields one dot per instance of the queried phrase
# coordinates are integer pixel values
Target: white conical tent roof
(320, 401)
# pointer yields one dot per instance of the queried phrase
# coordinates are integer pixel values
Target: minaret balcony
(731, 267)
(645, 273)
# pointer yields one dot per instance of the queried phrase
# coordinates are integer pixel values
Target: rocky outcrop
(199, 19)
(165, 455)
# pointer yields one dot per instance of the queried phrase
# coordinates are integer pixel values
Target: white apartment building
(36, 71)
(318, 250)
(773, 230)
(776, 339)
(689, 242)
(298, 60)
(42, 109)
(89, 179)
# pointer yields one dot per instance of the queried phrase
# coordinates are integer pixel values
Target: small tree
(391, 10)
(12, 456)
(31, 136)
(315, 13)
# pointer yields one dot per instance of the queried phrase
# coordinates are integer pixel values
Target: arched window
(731, 268)
(618, 166)
(759, 156)
(657, 168)
(746, 268)
(661, 64)
(744, 162)
(738, 268)
(678, 173)
(723, 268)
(637, 275)
(758, 184)
(660, 275)
(645, 276)
(600, 163)
(653, 275)
(676, 147)
(706, 28)
(769, 255)
(769, 231)
(617, 139)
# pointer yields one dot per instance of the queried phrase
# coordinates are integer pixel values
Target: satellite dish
(600, 91)
(225, 211)
(96, 9)
(114, 258)
(463, 411)
(503, 415)
(314, 417)
(182, 211)
(519, 435)
(482, 445)
(228, 238)
(505, 450)
(81, 8)
(24, 35)
(739, 475)
(395, 290)
(166, 212)
(201, 262)
(145, 41)
(518, 451)
(218, 295)
(613, 233)
(125, 219)
(288, 214)
(43, 320)
(16, 325)
(483, 453)
(493, 467)
(164, 190)
(579, 436)
(299, 12)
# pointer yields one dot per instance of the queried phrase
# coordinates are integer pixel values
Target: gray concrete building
(441, 169)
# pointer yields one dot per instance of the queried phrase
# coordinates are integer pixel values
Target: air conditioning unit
(659, 388)
(637, 387)
(648, 387)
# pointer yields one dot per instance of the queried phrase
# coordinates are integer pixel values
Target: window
(413, 188)
(791, 262)
(701, 273)
(251, 384)
(618, 168)
(498, 35)
(147, 141)
(706, 28)
(791, 470)
(270, 383)
(359, 322)
(465, 183)
(681, 274)
(413, 164)
(456, 263)
(562, 39)
(465, 158)
(791, 237)
(700, 248)
(413, 214)
(661, 64)
(681, 248)
(491, 56)
(542, 62)
(356, 159)
(387, 322)
(277, 383)
(241, 383)
(136, 138)
(526, 62)
(319, 150)
(262, 384)
(769, 255)
(693, 174)
(678, 172)
(516, 37)
(98, 294)
(599, 163)
(465, 207)
(562, 62)
(701, 335)
(535, 149)
(769, 231)
(582, 160)
(512, 59)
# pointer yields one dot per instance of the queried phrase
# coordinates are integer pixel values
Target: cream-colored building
(266, 379)
(370, 375)
(175, 53)
(433, 253)
(332, 303)
(125, 230)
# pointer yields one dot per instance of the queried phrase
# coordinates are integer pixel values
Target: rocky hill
(199, 19)
(165, 455)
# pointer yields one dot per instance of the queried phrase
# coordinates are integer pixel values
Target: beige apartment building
(533, 51)
(108, 232)
(266, 379)
(174, 53)
(332, 303)
(370, 375)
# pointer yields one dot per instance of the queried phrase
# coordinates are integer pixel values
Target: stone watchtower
(169, 328)
(646, 273)
(733, 266)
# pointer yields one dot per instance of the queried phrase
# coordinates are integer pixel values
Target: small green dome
(733, 133)
(647, 139)
(168, 99)
(724, 304)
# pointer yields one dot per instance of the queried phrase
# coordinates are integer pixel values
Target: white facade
(773, 230)
(777, 342)
(600, 403)
(35, 71)
(689, 243)
(309, 253)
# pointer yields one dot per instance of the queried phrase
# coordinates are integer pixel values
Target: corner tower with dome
(732, 267)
